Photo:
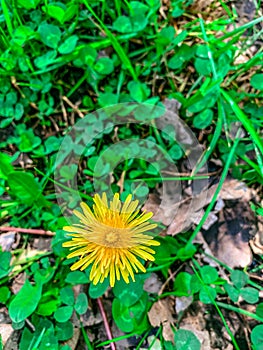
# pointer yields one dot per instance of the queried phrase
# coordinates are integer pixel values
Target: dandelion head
(111, 238)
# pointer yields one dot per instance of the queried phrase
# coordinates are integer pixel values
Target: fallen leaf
(152, 284)
(7, 240)
(5, 331)
(161, 314)
(234, 189)
(182, 303)
(229, 238)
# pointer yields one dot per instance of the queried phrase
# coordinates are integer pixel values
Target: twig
(27, 230)
(74, 107)
(106, 323)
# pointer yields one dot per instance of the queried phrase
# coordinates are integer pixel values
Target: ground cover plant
(183, 160)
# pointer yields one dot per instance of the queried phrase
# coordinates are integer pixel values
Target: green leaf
(71, 11)
(104, 65)
(54, 11)
(5, 258)
(26, 339)
(19, 111)
(203, 119)
(195, 284)
(68, 45)
(25, 188)
(68, 172)
(259, 310)
(95, 291)
(184, 53)
(47, 306)
(202, 66)
(129, 318)
(207, 294)
(123, 24)
(121, 316)
(257, 81)
(81, 304)
(5, 165)
(28, 4)
(25, 302)
(129, 293)
(42, 62)
(22, 34)
(175, 152)
(139, 91)
(49, 34)
(186, 340)
(182, 285)
(77, 277)
(250, 295)
(63, 313)
(257, 337)
(52, 144)
(107, 99)
(232, 292)
(67, 296)
(209, 274)
(64, 331)
(186, 252)
(86, 56)
(239, 278)
(4, 294)
(57, 248)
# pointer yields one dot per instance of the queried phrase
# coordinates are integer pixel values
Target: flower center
(112, 237)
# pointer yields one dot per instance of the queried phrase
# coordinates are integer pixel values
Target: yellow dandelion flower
(111, 238)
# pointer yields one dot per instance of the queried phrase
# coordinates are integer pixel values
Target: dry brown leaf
(5, 331)
(182, 303)
(152, 284)
(161, 314)
(256, 243)
(228, 240)
(7, 240)
(234, 189)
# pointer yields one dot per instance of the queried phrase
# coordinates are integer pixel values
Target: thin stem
(220, 184)
(106, 323)
(27, 230)
(241, 311)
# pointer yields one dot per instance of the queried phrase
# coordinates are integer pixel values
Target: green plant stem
(215, 138)
(83, 195)
(241, 28)
(244, 120)
(85, 337)
(220, 184)
(215, 305)
(251, 283)
(209, 52)
(240, 311)
(107, 342)
(179, 178)
(7, 17)
(138, 347)
(124, 58)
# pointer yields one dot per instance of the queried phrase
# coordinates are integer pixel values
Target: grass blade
(7, 17)
(244, 120)
(116, 45)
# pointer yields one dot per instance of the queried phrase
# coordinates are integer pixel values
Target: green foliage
(257, 337)
(25, 302)
(186, 340)
(5, 264)
(130, 305)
